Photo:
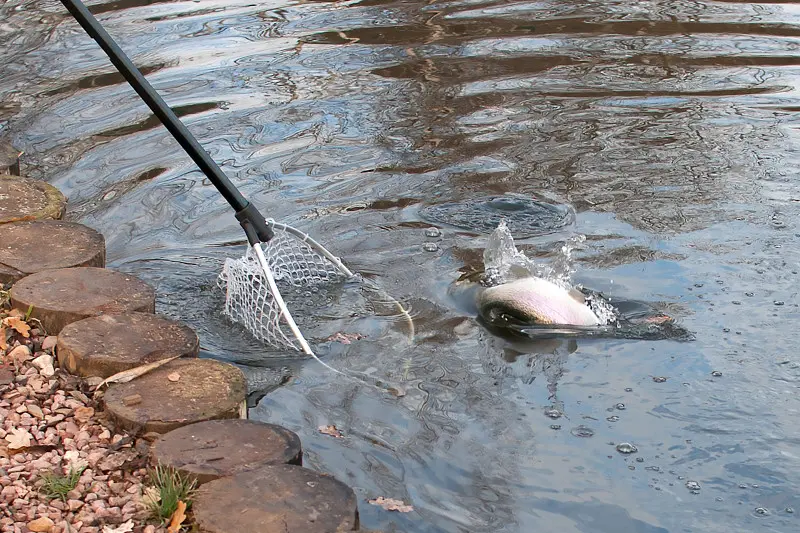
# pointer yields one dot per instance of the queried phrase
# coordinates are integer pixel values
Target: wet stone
(276, 499)
(33, 246)
(179, 393)
(27, 199)
(209, 450)
(107, 344)
(63, 296)
(9, 159)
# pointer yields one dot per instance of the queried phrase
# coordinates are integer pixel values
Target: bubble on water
(726, 330)
(779, 302)
(693, 485)
(552, 412)
(555, 426)
(762, 511)
(582, 431)
(653, 468)
(789, 510)
(698, 285)
(433, 232)
(720, 282)
(620, 406)
(626, 448)
(719, 499)
(750, 294)
(612, 418)
(631, 467)
(628, 389)
(754, 485)
(742, 485)
(640, 459)
(716, 374)
(659, 379)
(736, 302)
(430, 247)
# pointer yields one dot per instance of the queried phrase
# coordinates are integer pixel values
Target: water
(670, 127)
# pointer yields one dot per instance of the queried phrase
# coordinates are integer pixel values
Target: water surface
(669, 126)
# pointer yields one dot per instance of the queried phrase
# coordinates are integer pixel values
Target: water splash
(504, 263)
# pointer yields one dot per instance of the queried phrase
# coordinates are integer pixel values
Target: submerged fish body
(535, 301)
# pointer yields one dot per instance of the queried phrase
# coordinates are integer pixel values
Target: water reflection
(670, 126)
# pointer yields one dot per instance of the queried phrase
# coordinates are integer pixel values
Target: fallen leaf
(125, 527)
(331, 430)
(174, 377)
(345, 338)
(3, 342)
(18, 438)
(133, 373)
(151, 496)
(83, 414)
(177, 518)
(391, 505)
(18, 324)
(16, 313)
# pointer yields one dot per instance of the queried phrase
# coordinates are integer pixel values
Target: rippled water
(670, 127)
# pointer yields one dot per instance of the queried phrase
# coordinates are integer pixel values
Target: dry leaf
(18, 438)
(331, 430)
(133, 373)
(151, 496)
(174, 377)
(16, 313)
(18, 324)
(83, 414)
(125, 527)
(177, 518)
(391, 505)
(3, 342)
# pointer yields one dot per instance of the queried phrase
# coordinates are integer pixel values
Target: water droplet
(582, 431)
(693, 485)
(778, 302)
(716, 374)
(430, 247)
(553, 413)
(620, 406)
(659, 379)
(626, 448)
(555, 426)
(433, 232)
(612, 418)
(762, 511)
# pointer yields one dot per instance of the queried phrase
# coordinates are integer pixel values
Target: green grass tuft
(172, 487)
(57, 486)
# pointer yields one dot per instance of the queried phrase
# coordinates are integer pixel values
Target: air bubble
(552, 412)
(555, 426)
(762, 511)
(693, 485)
(433, 232)
(582, 431)
(430, 247)
(612, 418)
(620, 406)
(716, 374)
(659, 379)
(778, 302)
(626, 448)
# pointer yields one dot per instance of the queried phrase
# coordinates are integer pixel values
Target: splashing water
(504, 263)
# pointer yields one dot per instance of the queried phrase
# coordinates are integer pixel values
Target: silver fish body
(536, 301)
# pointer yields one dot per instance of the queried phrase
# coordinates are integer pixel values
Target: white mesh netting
(249, 300)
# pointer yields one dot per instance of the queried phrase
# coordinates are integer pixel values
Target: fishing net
(293, 261)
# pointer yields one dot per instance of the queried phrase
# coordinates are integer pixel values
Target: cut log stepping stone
(65, 295)
(210, 450)
(107, 344)
(27, 199)
(181, 392)
(276, 499)
(34, 246)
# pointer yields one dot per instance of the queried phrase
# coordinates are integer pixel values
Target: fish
(533, 300)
